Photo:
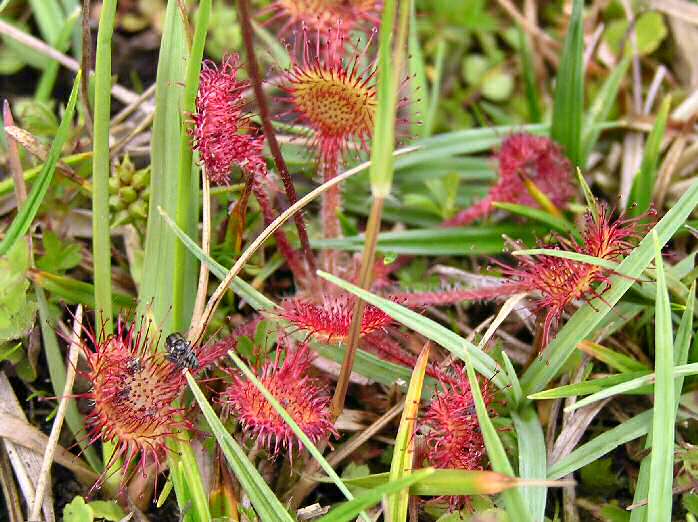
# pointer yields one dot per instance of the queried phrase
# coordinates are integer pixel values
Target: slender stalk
(86, 62)
(200, 301)
(256, 79)
(101, 167)
(380, 173)
(365, 278)
(44, 474)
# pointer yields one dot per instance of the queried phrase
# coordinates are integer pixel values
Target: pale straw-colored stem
(44, 474)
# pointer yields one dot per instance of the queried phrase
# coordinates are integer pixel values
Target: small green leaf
(78, 511)
(59, 256)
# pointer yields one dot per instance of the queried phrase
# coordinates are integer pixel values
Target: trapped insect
(181, 352)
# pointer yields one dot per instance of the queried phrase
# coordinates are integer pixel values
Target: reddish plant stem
(332, 199)
(294, 263)
(256, 79)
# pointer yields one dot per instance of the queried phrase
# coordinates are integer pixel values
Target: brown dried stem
(256, 79)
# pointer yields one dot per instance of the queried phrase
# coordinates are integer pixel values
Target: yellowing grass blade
(401, 465)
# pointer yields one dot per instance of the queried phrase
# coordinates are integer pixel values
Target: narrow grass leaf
(568, 105)
(187, 211)
(26, 214)
(681, 371)
(403, 454)
(314, 452)
(262, 497)
(419, 106)
(49, 18)
(48, 78)
(254, 297)
(349, 510)
(529, 77)
(532, 458)
(516, 393)
(432, 110)
(601, 445)
(587, 387)
(432, 330)
(159, 269)
(513, 500)
(472, 240)
(536, 214)
(662, 459)
(618, 361)
(682, 347)
(445, 482)
(101, 167)
(643, 184)
(600, 108)
(584, 320)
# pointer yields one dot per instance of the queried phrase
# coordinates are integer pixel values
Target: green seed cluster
(129, 192)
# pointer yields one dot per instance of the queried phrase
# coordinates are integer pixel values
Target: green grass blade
(49, 18)
(314, 452)
(643, 184)
(159, 269)
(662, 459)
(529, 77)
(432, 109)
(601, 445)
(23, 220)
(419, 104)
(184, 284)
(516, 393)
(633, 384)
(382, 161)
(574, 256)
(403, 453)
(618, 361)
(474, 240)
(48, 77)
(554, 222)
(349, 510)
(513, 500)
(532, 458)
(568, 106)
(600, 108)
(256, 299)
(262, 497)
(483, 363)
(101, 167)
(588, 387)
(682, 347)
(587, 317)
(444, 482)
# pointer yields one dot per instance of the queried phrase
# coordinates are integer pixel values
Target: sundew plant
(336, 260)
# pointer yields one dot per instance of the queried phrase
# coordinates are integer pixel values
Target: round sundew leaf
(497, 85)
(475, 67)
